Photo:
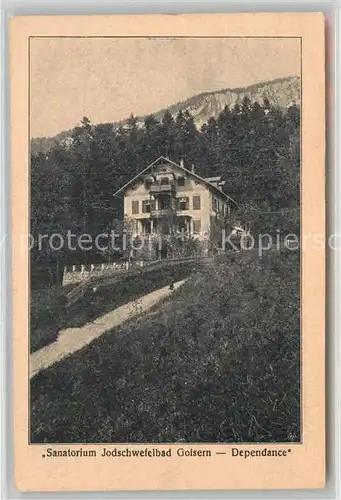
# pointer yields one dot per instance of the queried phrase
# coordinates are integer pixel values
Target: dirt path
(73, 339)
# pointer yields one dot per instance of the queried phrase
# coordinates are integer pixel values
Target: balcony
(158, 188)
(161, 212)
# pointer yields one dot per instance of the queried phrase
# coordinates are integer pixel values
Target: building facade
(167, 198)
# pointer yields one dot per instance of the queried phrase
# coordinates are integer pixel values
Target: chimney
(181, 162)
(192, 168)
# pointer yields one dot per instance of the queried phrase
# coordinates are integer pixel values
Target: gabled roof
(189, 172)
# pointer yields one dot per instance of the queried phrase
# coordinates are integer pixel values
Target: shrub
(47, 316)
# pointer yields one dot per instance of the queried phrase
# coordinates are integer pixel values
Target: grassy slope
(219, 361)
(49, 314)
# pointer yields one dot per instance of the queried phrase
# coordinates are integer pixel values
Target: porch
(156, 225)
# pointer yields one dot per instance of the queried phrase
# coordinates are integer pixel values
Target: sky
(107, 79)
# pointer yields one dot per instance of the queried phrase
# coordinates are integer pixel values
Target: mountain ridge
(281, 92)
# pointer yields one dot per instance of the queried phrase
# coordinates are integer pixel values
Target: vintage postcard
(168, 180)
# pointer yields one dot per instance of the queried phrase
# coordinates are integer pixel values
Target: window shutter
(135, 207)
(196, 203)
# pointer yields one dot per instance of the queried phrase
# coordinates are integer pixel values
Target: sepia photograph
(165, 240)
(168, 252)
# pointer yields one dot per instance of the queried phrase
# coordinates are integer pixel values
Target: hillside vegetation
(218, 361)
(50, 314)
(255, 147)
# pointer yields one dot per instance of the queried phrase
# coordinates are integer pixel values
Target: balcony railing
(161, 212)
(162, 188)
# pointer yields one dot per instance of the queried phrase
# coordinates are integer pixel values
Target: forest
(254, 147)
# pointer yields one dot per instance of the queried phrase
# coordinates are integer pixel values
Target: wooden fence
(114, 275)
(78, 273)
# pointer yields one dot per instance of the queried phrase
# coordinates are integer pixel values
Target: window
(214, 204)
(183, 204)
(181, 181)
(147, 227)
(147, 206)
(196, 203)
(134, 207)
(196, 226)
(164, 181)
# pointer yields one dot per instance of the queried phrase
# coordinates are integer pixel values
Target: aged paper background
(305, 465)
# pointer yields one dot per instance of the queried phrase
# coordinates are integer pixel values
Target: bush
(48, 314)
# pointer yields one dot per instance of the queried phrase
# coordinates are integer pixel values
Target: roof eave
(182, 168)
